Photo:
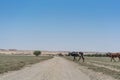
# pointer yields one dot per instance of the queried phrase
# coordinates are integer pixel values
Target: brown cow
(113, 56)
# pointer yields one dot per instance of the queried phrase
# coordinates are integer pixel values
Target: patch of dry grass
(89, 64)
(10, 63)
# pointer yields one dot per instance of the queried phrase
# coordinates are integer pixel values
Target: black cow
(77, 54)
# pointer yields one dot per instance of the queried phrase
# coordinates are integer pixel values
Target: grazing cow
(77, 54)
(113, 56)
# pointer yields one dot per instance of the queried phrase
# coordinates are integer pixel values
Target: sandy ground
(54, 69)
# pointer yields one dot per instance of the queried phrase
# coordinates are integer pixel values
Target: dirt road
(53, 69)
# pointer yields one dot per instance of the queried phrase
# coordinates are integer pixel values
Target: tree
(37, 53)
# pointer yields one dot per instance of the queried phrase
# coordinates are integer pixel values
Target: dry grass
(10, 63)
(101, 64)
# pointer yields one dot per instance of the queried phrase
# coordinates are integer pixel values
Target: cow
(113, 56)
(77, 54)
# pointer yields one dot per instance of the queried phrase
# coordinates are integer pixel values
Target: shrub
(60, 54)
(37, 53)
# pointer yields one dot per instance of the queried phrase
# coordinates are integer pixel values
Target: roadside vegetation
(37, 53)
(100, 64)
(95, 55)
(10, 62)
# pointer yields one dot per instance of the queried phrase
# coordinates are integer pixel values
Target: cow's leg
(74, 58)
(114, 59)
(83, 59)
(111, 59)
(119, 58)
(79, 58)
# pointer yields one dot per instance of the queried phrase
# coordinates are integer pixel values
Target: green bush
(37, 53)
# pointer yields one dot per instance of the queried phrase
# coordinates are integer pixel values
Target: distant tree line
(95, 55)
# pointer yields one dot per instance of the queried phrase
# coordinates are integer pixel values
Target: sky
(67, 25)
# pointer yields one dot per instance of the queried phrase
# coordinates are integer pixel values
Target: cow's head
(108, 54)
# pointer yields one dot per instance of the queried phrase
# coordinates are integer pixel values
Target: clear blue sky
(84, 25)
